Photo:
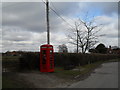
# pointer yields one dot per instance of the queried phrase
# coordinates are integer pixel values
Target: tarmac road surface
(104, 77)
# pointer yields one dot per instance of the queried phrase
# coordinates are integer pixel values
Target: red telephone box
(46, 58)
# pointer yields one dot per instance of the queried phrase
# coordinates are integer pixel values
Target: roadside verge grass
(77, 72)
(80, 71)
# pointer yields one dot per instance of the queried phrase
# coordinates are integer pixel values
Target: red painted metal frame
(49, 60)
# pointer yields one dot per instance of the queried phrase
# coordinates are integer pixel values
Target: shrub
(67, 60)
(63, 59)
(29, 61)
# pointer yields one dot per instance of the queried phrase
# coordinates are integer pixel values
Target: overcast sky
(24, 23)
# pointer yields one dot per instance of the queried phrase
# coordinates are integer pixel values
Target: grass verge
(77, 72)
(80, 72)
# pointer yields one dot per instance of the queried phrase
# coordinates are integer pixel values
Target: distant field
(5, 58)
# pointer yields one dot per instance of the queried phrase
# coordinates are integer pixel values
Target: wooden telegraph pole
(76, 35)
(47, 19)
(77, 41)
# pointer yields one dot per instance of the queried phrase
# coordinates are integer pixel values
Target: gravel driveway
(42, 80)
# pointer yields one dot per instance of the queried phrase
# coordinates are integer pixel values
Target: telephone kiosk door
(46, 58)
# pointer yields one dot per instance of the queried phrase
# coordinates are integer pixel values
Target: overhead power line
(58, 10)
(59, 15)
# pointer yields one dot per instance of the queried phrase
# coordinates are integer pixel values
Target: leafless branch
(87, 36)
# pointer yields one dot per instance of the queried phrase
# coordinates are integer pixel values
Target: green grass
(90, 67)
(65, 73)
(68, 74)
(113, 60)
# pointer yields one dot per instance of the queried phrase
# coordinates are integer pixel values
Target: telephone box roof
(46, 45)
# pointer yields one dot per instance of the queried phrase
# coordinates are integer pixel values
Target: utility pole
(47, 19)
(76, 35)
(77, 40)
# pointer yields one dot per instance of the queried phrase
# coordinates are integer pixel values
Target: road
(104, 77)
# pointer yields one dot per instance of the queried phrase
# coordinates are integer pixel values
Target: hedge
(82, 59)
(29, 61)
(32, 60)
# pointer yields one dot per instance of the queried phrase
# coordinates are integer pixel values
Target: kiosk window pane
(44, 57)
(51, 59)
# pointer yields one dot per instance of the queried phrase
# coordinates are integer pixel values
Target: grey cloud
(112, 7)
(112, 36)
(15, 35)
(109, 41)
(66, 8)
(24, 24)
(106, 8)
(26, 15)
(21, 8)
(31, 16)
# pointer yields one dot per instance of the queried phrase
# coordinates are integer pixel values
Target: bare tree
(84, 34)
(63, 48)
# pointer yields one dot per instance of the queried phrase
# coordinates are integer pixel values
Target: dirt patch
(42, 80)
(34, 79)
(13, 80)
